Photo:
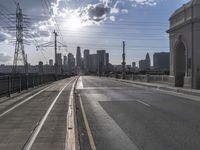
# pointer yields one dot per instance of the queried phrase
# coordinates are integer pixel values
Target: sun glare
(74, 23)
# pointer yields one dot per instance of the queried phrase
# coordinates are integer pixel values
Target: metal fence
(10, 84)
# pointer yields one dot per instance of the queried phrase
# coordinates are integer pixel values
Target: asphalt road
(19, 120)
(122, 116)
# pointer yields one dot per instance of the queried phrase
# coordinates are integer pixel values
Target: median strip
(71, 143)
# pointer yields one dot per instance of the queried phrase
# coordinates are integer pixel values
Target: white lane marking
(70, 143)
(36, 131)
(89, 132)
(24, 101)
(80, 83)
(139, 101)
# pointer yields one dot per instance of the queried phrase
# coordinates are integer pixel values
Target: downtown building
(86, 61)
(59, 63)
(101, 61)
(93, 63)
(71, 62)
(145, 65)
(96, 63)
(78, 60)
(184, 35)
(161, 61)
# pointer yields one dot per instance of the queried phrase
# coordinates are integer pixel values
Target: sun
(74, 23)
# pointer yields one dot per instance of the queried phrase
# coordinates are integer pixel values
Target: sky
(90, 24)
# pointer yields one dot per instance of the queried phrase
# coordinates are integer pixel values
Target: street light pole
(123, 61)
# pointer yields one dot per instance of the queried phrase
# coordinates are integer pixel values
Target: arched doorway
(179, 64)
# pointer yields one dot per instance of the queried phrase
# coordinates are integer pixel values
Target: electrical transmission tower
(19, 55)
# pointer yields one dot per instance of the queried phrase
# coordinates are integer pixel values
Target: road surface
(123, 116)
(37, 121)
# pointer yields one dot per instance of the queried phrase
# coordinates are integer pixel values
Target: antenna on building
(19, 45)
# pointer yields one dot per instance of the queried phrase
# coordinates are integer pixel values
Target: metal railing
(10, 84)
(162, 79)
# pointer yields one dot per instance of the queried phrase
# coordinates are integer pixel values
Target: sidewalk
(192, 92)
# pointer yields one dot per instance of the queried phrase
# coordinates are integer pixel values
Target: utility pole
(19, 45)
(55, 45)
(123, 61)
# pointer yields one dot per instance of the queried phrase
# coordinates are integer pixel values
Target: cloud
(112, 18)
(5, 58)
(5, 35)
(89, 12)
(95, 13)
(135, 3)
(124, 11)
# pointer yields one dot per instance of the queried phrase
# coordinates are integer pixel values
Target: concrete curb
(166, 88)
(72, 142)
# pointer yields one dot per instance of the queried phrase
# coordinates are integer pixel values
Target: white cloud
(89, 14)
(144, 2)
(4, 58)
(124, 11)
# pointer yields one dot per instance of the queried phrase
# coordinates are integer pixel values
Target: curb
(177, 90)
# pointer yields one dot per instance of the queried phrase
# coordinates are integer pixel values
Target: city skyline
(135, 22)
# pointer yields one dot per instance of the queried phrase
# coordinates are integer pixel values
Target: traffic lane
(53, 133)
(89, 81)
(16, 126)
(106, 133)
(184, 116)
(153, 129)
(185, 108)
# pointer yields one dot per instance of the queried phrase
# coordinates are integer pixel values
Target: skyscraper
(148, 62)
(59, 59)
(145, 65)
(93, 63)
(78, 58)
(101, 54)
(59, 63)
(86, 60)
(65, 60)
(161, 61)
(71, 61)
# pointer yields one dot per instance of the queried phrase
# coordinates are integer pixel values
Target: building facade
(71, 62)
(145, 65)
(101, 54)
(86, 60)
(161, 61)
(184, 34)
(93, 66)
(64, 60)
(78, 57)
